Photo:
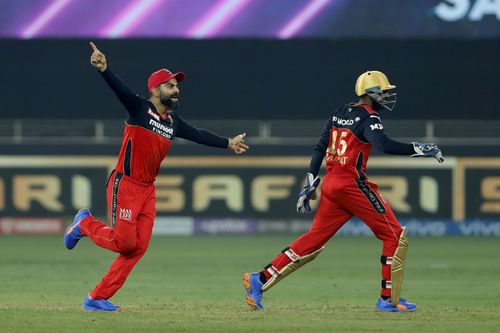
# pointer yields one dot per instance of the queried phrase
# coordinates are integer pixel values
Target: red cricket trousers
(341, 198)
(132, 210)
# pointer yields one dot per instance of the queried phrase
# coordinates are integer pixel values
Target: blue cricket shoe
(102, 305)
(72, 234)
(386, 306)
(253, 287)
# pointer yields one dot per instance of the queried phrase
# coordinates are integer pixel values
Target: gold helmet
(375, 84)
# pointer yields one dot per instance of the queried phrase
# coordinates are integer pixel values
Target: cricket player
(346, 141)
(150, 130)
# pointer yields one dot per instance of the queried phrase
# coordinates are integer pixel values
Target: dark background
(253, 79)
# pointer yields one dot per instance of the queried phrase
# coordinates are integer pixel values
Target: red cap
(163, 75)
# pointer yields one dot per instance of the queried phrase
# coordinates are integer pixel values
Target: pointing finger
(94, 47)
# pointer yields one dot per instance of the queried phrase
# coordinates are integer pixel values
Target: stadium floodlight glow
(128, 18)
(215, 18)
(299, 21)
(41, 21)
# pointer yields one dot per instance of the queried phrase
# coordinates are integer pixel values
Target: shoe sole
(92, 309)
(395, 310)
(248, 288)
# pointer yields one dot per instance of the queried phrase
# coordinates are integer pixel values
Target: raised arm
(132, 102)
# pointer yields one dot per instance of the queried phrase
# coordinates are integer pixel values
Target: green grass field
(193, 284)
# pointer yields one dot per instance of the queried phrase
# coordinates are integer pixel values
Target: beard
(168, 102)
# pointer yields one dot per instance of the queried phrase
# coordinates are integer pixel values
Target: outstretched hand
(98, 59)
(237, 144)
(427, 150)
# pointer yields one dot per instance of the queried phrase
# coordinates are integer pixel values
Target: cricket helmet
(376, 85)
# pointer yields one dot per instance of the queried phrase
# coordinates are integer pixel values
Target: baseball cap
(163, 75)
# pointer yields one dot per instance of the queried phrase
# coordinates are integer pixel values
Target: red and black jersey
(148, 135)
(347, 139)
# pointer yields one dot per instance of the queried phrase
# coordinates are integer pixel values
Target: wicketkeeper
(346, 141)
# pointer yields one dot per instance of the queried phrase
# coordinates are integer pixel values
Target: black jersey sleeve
(132, 102)
(373, 131)
(199, 135)
(320, 149)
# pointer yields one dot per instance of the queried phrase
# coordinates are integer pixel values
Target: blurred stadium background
(272, 68)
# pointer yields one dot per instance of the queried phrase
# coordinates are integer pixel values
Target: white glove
(307, 193)
(427, 150)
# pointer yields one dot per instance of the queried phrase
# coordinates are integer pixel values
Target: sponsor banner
(484, 186)
(54, 190)
(433, 228)
(415, 227)
(179, 226)
(30, 225)
(231, 226)
(270, 226)
(264, 188)
(256, 189)
(475, 228)
(300, 226)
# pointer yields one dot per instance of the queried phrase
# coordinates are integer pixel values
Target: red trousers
(132, 210)
(341, 198)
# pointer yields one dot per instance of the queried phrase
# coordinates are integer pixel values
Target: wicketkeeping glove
(307, 193)
(427, 150)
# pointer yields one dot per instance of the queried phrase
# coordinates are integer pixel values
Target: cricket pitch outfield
(193, 284)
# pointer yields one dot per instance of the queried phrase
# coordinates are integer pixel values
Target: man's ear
(155, 92)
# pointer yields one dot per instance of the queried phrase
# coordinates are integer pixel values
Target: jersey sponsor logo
(125, 214)
(376, 126)
(163, 130)
(372, 197)
(154, 115)
(114, 199)
(341, 121)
